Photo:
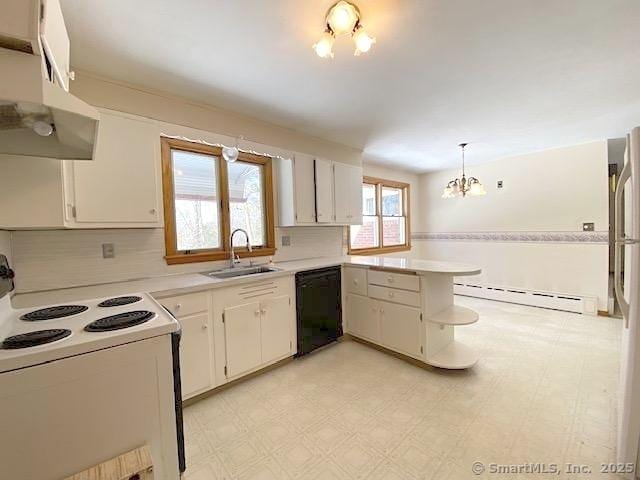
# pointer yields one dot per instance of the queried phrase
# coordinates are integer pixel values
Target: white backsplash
(50, 259)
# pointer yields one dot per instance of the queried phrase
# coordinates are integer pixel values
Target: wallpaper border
(601, 237)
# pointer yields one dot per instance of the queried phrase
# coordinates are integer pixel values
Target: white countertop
(178, 284)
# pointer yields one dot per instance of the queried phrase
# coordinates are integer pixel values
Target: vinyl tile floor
(543, 395)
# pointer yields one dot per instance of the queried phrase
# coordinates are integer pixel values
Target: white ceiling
(507, 76)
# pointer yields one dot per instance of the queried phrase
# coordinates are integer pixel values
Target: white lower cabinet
(363, 317)
(257, 333)
(230, 332)
(275, 327)
(401, 328)
(397, 323)
(193, 312)
(195, 354)
(242, 338)
(255, 326)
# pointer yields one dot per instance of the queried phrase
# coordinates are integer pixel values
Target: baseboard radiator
(554, 301)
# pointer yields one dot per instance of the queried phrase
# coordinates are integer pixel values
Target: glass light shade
(230, 154)
(477, 189)
(342, 17)
(363, 41)
(455, 190)
(324, 47)
(448, 193)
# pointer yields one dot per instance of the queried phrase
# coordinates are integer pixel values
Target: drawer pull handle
(390, 279)
(390, 294)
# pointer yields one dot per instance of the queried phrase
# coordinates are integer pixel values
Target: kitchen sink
(240, 271)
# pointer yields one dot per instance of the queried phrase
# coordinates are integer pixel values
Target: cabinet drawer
(254, 291)
(355, 280)
(186, 304)
(395, 280)
(394, 295)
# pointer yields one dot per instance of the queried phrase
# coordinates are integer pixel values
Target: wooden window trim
(406, 193)
(173, 256)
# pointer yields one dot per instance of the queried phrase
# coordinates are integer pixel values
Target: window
(206, 198)
(385, 218)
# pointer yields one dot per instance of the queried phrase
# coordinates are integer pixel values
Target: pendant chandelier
(463, 186)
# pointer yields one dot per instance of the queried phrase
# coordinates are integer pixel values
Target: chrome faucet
(235, 258)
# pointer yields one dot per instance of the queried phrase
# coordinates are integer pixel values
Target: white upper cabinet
(120, 187)
(29, 25)
(55, 41)
(324, 191)
(315, 191)
(19, 22)
(296, 190)
(348, 193)
(304, 189)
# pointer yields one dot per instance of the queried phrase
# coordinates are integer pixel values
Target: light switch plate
(108, 250)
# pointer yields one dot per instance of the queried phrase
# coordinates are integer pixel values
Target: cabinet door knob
(178, 306)
(263, 311)
(205, 326)
(152, 211)
(257, 313)
(382, 310)
(390, 294)
(390, 279)
(355, 281)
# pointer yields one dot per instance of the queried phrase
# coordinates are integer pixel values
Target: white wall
(553, 190)
(137, 100)
(550, 191)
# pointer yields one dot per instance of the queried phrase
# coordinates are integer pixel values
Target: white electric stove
(82, 383)
(37, 335)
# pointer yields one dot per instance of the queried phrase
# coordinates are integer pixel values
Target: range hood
(38, 116)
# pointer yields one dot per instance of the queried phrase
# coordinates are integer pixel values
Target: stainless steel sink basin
(240, 271)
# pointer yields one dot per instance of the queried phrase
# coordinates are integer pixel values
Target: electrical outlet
(499, 183)
(286, 241)
(108, 250)
(588, 227)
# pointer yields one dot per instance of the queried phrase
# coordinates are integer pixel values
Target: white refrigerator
(627, 291)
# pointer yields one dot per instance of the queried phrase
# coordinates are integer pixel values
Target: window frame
(379, 183)
(173, 255)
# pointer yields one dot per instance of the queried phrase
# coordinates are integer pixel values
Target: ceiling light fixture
(343, 18)
(463, 186)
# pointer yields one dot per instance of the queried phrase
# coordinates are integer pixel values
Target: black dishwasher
(319, 308)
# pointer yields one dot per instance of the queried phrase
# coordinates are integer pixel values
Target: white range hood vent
(37, 117)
